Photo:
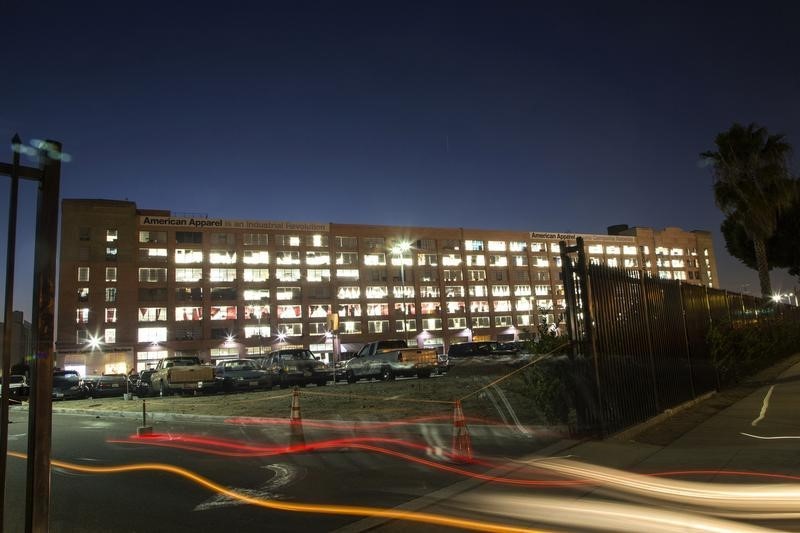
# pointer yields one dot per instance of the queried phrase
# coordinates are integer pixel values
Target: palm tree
(752, 185)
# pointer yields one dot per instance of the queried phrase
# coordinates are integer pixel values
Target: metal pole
(5, 389)
(40, 412)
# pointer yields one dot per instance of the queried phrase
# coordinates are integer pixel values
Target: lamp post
(400, 249)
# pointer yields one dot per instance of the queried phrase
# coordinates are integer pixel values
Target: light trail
(762, 437)
(393, 514)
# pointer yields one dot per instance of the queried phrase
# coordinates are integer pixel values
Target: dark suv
(295, 366)
(480, 348)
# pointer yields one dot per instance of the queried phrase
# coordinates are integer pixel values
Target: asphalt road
(241, 458)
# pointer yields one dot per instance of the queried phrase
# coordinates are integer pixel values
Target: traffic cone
(296, 437)
(462, 446)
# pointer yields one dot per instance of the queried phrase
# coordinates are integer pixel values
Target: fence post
(686, 340)
(649, 332)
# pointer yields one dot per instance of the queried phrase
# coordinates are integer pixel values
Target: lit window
(255, 239)
(111, 294)
(480, 322)
(541, 262)
(148, 275)
(479, 306)
(111, 235)
(256, 257)
(502, 306)
(256, 274)
(317, 241)
(555, 248)
(520, 260)
(82, 315)
(501, 290)
(111, 273)
(595, 248)
(351, 273)
(498, 261)
(629, 250)
(287, 274)
(457, 323)
(291, 330)
(477, 275)
(479, 291)
(676, 251)
(378, 326)
(429, 291)
(110, 335)
(83, 273)
(454, 291)
(349, 293)
(188, 274)
(111, 314)
(372, 259)
(222, 257)
(318, 258)
(222, 312)
(318, 274)
(451, 260)
(401, 291)
(497, 246)
(522, 290)
(287, 293)
(474, 246)
(222, 274)
(188, 313)
(476, 260)
(152, 334)
(524, 304)
(538, 247)
(612, 262)
(517, 246)
(542, 290)
(377, 291)
(186, 256)
(613, 250)
(251, 295)
(256, 331)
(83, 294)
(289, 311)
(503, 321)
(288, 240)
(152, 314)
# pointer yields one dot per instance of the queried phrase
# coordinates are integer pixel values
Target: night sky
(499, 115)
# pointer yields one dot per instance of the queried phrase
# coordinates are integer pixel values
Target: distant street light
(94, 342)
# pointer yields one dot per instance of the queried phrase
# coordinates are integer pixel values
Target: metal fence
(642, 343)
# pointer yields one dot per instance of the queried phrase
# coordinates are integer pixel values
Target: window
(223, 293)
(350, 326)
(317, 241)
(430, 308)
(111, 273)
(187, 256)
(629, 250)
(222, 274)
(349, 293)
(596, 249)
(222, 312)
(318, 258)
(317, 328)
(403, 291)
(350, 273)
(376, 291)
(255, 239)
(477, 275)
(502, 306)
(111, 253)
(538, 247)
(405, 308)
(373, 259)
(519, 260)
(256, 312)
(478, 291)
(318, 311)
(152, 334)
(287, 240)
(428, 259)
(524, 304)
(82, 315)
(451, 260)
(256, 257)
(149, 254)
(111, 235)
(83, 294)
(498, 261)
(476, 260)
(347, 243)
(497, 246)
(522, 290)
(82, 336)
(348, 258)
(287, 258)
(541, 262)
(381, 309)
(152, 314)
(188, 237)
(454, 291)
(452, 275)
(84, 234)
(148, 275)
(455, 307)
(429, 291)
(501, 290)
(676, 251)
(432, 324)
(256, 295)
(457, 323)
(291, 330)
(613, 250)
(223, 239)
(83, 273)
(542, 290)
(612, 262)
(318, 274)
(188, 313)
(111, 294)
(290, 311)
(188, 274)
(517, 246)
(480, 322)
(378, 326)
(287, 274)
(256, 331)
(503, 321)
(189, 294)
(474, 246)
(479, 306)
(255, 274)
(287, 293)
(110, 335)
(555, 248)
(405, 325)
(152, 295)
(222, 257)
(111, 315)
(153, 237)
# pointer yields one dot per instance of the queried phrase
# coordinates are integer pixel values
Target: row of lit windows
(263, 312)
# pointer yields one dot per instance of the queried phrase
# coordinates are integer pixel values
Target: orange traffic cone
(296, 437)
(462, 446)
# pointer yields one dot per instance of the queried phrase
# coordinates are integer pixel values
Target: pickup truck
(181, 373)
(387, 359)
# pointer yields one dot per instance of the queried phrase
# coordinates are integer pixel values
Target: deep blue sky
(506, 115)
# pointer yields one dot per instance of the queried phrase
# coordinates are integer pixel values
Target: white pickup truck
(387, 359)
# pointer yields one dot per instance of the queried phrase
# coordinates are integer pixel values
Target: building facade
(137, 285)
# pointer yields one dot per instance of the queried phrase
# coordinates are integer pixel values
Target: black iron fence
(642, 344)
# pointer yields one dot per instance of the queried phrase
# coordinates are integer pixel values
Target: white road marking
(764, 407)
(284, 474)
(770, 438)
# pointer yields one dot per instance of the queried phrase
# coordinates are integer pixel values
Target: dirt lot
(373, 400)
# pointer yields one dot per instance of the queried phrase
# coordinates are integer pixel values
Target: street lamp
(400, 249)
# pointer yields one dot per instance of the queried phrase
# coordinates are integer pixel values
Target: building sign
(585, 236)
(213, 223)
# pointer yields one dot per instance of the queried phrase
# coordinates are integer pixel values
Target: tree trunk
(760, 249)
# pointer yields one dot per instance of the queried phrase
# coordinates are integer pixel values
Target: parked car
(296, 366)
(17, 386)
(109, 385)
(241, 374)
(68, 385)
(143, 386)
(479, 348)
